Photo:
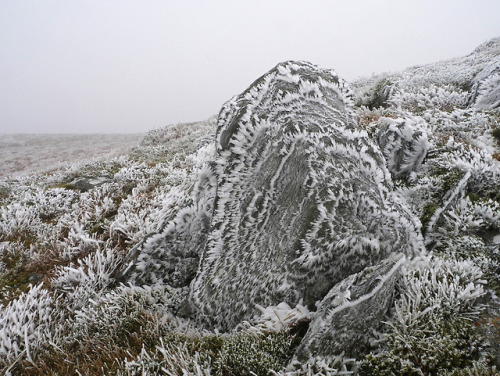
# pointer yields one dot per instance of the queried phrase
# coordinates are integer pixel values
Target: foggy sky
(127, 66)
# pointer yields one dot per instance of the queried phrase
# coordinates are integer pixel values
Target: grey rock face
(297, 200)
(404, 146)
(85, 184)
(485, 92)
(303, 198)
(489, 92)
(351, 310)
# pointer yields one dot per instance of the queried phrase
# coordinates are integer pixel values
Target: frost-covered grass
(65, 239)
(432, 326)
(60, 243)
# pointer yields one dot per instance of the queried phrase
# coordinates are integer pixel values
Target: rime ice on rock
(303, 198)
(404, 145)
(351, 311)
(297, 200)
(489, 90)
(172, 256)
(485, 86)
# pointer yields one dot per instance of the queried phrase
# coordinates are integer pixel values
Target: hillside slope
(314, 227)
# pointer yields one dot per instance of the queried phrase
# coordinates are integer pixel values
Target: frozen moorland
(23, 154)
(314, 227)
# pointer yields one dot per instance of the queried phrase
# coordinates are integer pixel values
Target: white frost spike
(28, 322)
(275, 318)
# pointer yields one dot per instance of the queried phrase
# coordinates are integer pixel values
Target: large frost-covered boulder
(303, 198)
(297, 199)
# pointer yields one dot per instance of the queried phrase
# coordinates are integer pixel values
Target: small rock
(403, 144)
(351, 311)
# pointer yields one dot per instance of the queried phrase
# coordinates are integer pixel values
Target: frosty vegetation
(65, 235)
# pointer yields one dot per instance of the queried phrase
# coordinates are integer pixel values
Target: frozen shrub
(431, 329)
(168, 359)
(320, 366)
(225, 355)
(445, 98)
(472, 217)
(27, 323)
(126, 307)
(16, 220)
(246, 352)
(88, 278)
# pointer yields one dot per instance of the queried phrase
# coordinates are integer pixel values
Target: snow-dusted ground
(22, 154)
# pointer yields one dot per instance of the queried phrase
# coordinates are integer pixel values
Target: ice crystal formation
(314, 227)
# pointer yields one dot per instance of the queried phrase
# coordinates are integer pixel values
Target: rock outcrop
(489, 91)
(172, 256)
(303, 197)
(485, 86)
(297, 200)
